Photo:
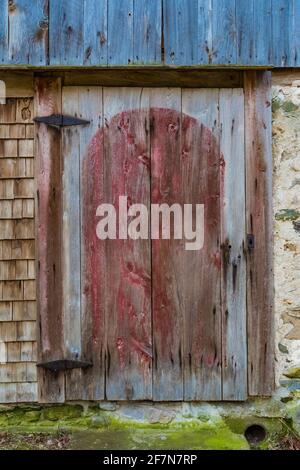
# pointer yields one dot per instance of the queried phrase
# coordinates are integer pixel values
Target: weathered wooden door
(156, 321)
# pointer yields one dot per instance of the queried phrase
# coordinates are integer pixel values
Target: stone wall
(286, 198)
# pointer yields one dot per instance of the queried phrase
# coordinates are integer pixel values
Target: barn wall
(17, 285)
(17, 265)
(148, 32)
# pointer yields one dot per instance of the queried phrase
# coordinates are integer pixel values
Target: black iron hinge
(60, 120)
(64, 364)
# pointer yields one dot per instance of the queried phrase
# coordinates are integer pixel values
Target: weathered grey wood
(281, 22)
(167, 312)
(27, 32)
(120, 33)
(260, 327)
(244, 30)
(66, 32)
(181, 31)
(284, 77)
(95, 32)
(295, 34)
(224, 32)
(147, 32)
(3, 31)
(128, 262)
(202, 269)
(205, 33)
(262, 32)
(71, 263)
(233, 240)
(92, 250)
(49, 241)
(98, 32)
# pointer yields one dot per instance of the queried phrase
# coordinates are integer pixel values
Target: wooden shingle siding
(18, 379)
(180, 32)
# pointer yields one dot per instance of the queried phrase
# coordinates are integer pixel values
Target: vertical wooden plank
(66, 32)
(281, 11)
(259, 224)
(3, 31)
(48, 251)
(295, 34)
(147, 32)
(224, 32)
(92, 250)
(262, 33)
(28, 32)
(95, 32)
(128, 262)
(71, 264)
(167, 309)
(234, 318)
(244, 31)
(200, 167)
(120, 33)
(181, 31)
(205, 31)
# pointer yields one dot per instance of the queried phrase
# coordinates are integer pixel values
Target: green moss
(199, 427)
(289, 107)
(238, 424)
(158, 439)
(293, 373)
(276, 103)
(287, 214)
(32, 416)
(62, 412)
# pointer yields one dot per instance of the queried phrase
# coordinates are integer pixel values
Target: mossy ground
(89, 427)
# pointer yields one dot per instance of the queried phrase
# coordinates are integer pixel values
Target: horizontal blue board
(147, 32)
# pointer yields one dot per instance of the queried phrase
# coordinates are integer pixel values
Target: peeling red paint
(128, 302)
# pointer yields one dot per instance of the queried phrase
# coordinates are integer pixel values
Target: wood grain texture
(71, 262)
(66, 32)
(234, 318)
(128, 262)
(262, 32)
(244, 31)
(205, 33)
(167, 309)
(144, 77)
(260, 325)
(147, 32)
(95, 32)
(181, 31)
(295, 34)
(102, 32)
(28, 32)
(49, 222)
(224, 32)
(120, 33)
(282, 11)
(3, 31)
(91, 380)
(201, 166)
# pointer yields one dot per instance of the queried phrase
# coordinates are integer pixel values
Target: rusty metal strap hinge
(64, 364)
(60, 120)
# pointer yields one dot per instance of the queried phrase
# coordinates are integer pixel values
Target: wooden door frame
(258, 155)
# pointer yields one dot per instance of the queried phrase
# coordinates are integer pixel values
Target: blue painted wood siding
(148, 32)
